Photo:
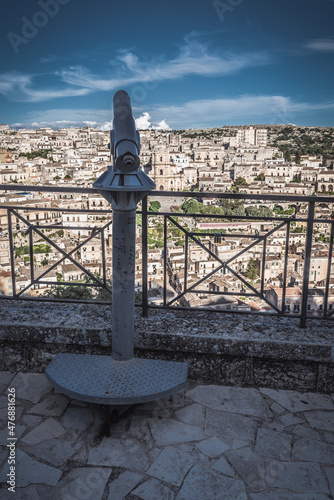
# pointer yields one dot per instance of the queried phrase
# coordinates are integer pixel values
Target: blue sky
(185, 64)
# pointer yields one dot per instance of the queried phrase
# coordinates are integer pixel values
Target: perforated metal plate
(101, 379)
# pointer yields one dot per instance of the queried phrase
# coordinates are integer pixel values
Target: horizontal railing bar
(212, 292)
(74, 228)
(176, 194)
(246, 218)
(48, 189)
(229, 235)
(71, 283)
(56, 209)
(50, 299)
(174, 214)
(227, 311)
(242, 196)
(233, 311)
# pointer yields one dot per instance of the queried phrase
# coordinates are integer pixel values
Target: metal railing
(176, 220)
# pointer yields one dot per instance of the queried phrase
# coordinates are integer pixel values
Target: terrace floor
(207, 442)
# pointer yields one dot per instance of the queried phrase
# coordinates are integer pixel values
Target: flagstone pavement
(207, 442)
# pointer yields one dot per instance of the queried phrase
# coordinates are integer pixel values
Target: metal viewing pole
(120, 379)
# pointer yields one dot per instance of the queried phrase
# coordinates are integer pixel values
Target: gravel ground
(176, 322)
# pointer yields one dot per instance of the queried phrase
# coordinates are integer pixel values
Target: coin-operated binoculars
(120, 379)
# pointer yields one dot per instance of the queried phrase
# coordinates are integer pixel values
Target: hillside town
(241, 258)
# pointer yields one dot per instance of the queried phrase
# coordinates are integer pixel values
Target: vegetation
(24, 249)
(251, 270)
(43, 153)
(297, 141)
(69, 292)
(154, 206)
(78, 292)
(259, 211)
(240, 181)
(280, 211)
(227, 207)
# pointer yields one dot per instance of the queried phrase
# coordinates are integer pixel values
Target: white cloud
(19, 87)
(201, 113)
(239, 110)
(321, 45)
(194, 58)
(105, 126)
(162, 125)
(144, 123)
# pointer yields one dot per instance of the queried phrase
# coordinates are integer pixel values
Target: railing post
(307, 261)
(144, 257)
(285, 264)
(11, 250)
(328, 277)
(165, 260)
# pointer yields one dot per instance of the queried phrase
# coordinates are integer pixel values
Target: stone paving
(207, 442)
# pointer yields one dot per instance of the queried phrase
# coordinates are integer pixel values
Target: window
(287, 307)
(296, 308)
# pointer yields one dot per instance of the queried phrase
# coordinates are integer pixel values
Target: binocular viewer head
(124, 138)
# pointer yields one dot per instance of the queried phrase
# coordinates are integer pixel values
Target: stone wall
(241, 350)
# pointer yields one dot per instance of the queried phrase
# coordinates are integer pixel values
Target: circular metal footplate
(102, 380)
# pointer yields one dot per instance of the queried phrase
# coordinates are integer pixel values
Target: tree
(211, 210)
(69, 292)
(287, 155)
(297, 157)
(154, 206)
(240, 181)
(191, 206)
(104, 295)
(260, 177)
(239, 210)
(261, 211)
(251, 270)
(139, 220)
(232, 207)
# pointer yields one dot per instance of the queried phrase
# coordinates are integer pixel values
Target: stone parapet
(227, 349)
